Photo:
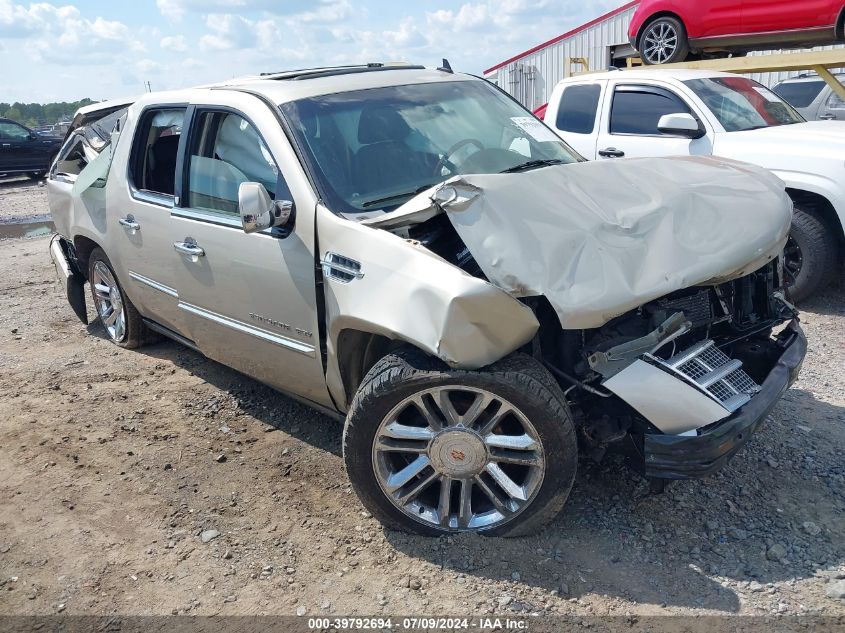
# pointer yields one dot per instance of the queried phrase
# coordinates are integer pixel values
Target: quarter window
(226, 150)
(638, 110)
(835, 102)
(155, 151)
(578, 107)
(13, 132)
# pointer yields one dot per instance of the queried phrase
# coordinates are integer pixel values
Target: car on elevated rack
(668, 112)
(410, 250)
(670, 31)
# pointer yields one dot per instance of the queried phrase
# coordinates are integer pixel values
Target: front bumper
(69, 277)
(681, 457)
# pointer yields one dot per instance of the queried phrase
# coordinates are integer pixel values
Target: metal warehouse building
(531, 76)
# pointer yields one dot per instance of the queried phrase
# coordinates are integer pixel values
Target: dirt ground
(158, 482)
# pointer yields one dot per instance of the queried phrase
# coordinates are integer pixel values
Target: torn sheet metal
(405, 292)
(600, 239)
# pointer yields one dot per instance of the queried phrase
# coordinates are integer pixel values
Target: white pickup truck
(662, 112)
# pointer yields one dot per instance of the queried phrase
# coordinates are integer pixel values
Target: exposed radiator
(707, 367)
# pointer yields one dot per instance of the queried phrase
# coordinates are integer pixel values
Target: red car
(668, 31)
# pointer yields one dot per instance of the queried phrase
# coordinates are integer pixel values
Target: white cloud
(176, 9)
(327, 12)
(58, 34)
(146, 66)
(174, 43)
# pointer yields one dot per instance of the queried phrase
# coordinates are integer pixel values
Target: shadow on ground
(688, 547)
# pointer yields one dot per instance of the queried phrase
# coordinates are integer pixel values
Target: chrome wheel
(660, 42)
(458, 458)
(109, 302)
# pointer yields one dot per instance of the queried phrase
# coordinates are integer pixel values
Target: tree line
(34, 114)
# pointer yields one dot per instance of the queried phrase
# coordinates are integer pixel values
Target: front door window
(226, 152)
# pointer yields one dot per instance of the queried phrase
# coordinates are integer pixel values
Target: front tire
(433, 450)
(116, 313)
(664, 41)
(811, 255)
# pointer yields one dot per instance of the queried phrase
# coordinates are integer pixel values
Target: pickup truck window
(638, 109)
(13, 132)
(742, 104)
(800, 93)
(226, 151)
(155, 149)
(578, 107)
(374, 149)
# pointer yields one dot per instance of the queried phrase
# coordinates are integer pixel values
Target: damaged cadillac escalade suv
(410, 249)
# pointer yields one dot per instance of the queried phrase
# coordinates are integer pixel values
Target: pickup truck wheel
(433, 450)
(115, 311)
(664, 41)
(811, 255)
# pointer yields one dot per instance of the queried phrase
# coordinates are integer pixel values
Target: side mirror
(680, 124)
(32, 136)
(259, 211)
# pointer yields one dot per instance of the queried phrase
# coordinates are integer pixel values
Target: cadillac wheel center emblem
(458, 455)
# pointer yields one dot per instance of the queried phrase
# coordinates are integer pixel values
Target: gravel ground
(22, 199)
(158, 482)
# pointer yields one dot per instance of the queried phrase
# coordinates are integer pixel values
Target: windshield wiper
(407, 194)
(532, 164)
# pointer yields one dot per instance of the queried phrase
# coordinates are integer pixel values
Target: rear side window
(638, 110)
(72, 158)
(154, 153)
(835, 102)
(799, 94)
(578, 107)
(226, 150)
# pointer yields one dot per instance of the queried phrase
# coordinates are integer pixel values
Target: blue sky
(55, 51)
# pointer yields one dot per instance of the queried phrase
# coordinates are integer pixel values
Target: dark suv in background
(22, 151)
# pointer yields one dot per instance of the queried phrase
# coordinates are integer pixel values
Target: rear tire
(664, 41)
(811, 256)
(453, 456)
(116, 313)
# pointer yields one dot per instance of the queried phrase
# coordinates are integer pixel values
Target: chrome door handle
(7, 144)
(189, 247)
(828, 117)
(611, 152)
(129, 223)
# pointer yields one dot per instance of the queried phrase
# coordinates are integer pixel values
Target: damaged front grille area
(711, 370)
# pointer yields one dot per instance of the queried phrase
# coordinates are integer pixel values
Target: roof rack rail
(329, 71)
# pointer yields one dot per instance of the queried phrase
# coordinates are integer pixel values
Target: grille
(723, 379)
(696, 308)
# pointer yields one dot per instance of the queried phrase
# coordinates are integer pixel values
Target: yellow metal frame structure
(819, 61)
(583, 62)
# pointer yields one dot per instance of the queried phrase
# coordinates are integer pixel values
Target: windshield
(741, 104)
(374, 149)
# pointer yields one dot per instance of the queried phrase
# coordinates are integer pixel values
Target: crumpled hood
(777, 147)
(600, 239)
